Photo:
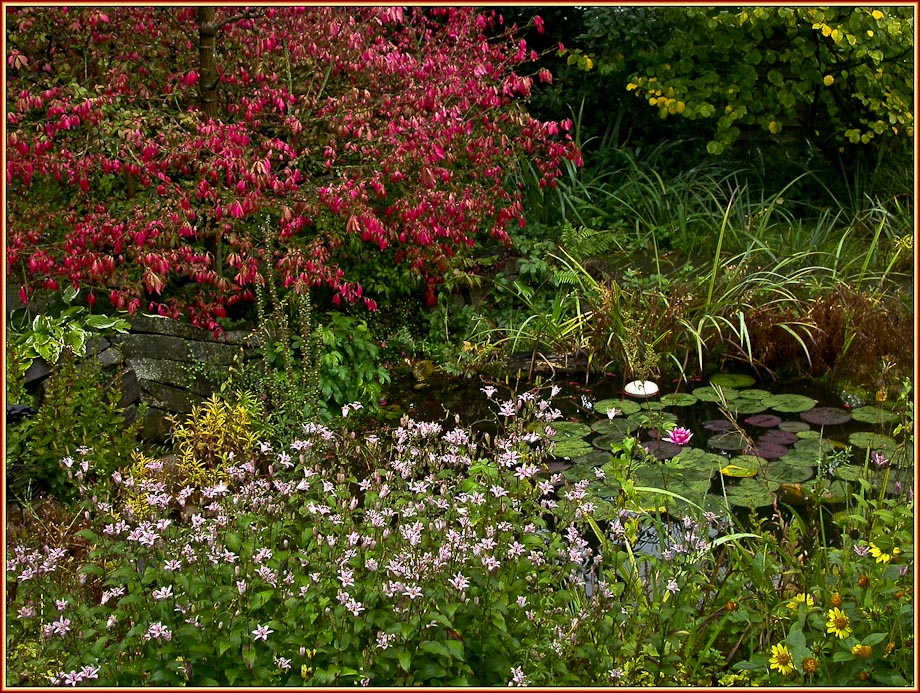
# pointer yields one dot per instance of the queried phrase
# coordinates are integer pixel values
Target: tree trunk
(207, 63)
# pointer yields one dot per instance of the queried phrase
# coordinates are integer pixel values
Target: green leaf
(405, 660)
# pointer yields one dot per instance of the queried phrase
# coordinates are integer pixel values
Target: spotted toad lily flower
(679, 436)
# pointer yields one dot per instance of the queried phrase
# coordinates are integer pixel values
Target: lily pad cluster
(774, 447)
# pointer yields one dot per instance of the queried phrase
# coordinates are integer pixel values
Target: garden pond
(751, 445)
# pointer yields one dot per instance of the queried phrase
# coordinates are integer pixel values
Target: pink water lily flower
(679, 436)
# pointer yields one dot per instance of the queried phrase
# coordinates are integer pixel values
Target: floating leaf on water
(653, 406)
(778, 437)
(617, 426)
(873, 441)
(873, 415)
(802, 458)
(571, 447)
(647, 420)
(735, 380)
(790, 403)
(711, 394)
(718, 425)
(769, 451)
(808, 435)
(848, 472)
(699, 459)
(746, 406)
(826, 416)
(606, 442)
(754, 393)
(624, 405)
(679, 399)
(783, 473)
(814, 446)
(791, 494)
(764, 420)
(661, 449)
(566, 429)
(903, 456)
(735, 471)
(794, 426)
(595, 458)
(727, 441)
(751, 493)
(835, 492)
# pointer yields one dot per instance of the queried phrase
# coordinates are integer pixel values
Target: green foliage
(844, 74)
(349, 364)
(420, 556)
(49, 334)
(79, 411)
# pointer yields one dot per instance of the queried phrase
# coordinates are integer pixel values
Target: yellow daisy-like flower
(879, 555)
(781, 659)
(864, 651)
(801, 598)
(838, 623)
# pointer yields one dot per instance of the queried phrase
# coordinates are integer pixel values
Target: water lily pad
(848, 472)
(808, 434)
(790, 403)
(873, 441)
(567, 429)
(734, 380)
(764, 420)
(727, 442)
(718, 425)
(826, 416)
(903, 456)
(711, 394)
(751, 493)
(661, 449)
(769, 451)
(735, 471)
(873, 415)
(652, 420)
(746, 406)
(754, 393)
(595, 458)
(814, 446)
(819, 489)
(794, 426)
(624, 405)
(802, 458)
(569, 448)
(617, 426)
(606, 442)
(679, 399)
(699, 459)
(783, 473)
(653, 406)
(778, 437)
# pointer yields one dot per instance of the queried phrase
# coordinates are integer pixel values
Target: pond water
(795, 442)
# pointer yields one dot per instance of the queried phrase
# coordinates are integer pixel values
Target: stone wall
(167, 366)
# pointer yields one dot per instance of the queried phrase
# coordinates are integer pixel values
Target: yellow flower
(838, 623)
(801, 598)
(879, 555)
(864, 651)
(781, 659)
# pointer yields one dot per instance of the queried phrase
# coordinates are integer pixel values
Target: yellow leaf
(588, 63)
(734, 470)
(652, 101)
(680, 106)
(876, 14)
(836, 34)
(774, 127)
(828, 80)
(825, 30)
(631, 86)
